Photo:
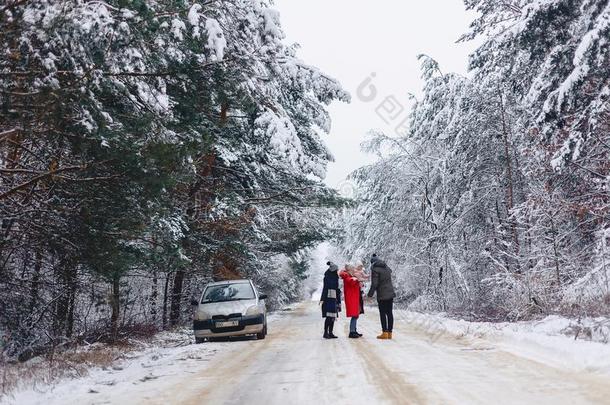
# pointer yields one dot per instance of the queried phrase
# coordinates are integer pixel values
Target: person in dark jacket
(381, 284)
(330, 300)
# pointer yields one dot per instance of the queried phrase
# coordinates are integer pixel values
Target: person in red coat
(353, 298)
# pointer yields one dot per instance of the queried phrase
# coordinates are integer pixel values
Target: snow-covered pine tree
(146, 145)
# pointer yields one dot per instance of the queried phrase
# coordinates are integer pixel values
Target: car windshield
(228, 292)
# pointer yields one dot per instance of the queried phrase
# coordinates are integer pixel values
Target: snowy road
(294, 365)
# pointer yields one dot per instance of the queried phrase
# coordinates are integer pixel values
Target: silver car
(229, 308)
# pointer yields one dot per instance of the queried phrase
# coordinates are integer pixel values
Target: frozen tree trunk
(115, 303)
(555, 251)
(441, 291)
(34, 292)
(72, 280)
(605, 269)
(165, 299)
(154, 294)
(174, 316)
(510, 187)
(64, 307)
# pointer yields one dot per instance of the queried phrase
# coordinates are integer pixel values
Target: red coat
(351, 288)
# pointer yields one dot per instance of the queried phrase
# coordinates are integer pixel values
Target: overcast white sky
(350, 39)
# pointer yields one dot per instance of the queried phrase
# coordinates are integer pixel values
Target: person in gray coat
(381, 284)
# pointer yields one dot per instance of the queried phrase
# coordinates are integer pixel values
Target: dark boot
(327, 324)
(330, 330)
(353, 335)
(359, 334)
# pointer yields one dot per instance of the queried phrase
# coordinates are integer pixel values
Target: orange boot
(383, 336)
(389, 335)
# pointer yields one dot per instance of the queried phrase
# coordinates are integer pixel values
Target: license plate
(228, 324)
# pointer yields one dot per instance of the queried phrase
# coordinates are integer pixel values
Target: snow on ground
(170, 354)
(554, 340)
(169, 357)
(431, 360)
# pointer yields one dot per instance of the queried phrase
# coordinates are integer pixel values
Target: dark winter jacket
(331, 294)
(381, 281)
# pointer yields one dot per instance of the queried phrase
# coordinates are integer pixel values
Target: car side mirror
(194, 302)
(263, 297)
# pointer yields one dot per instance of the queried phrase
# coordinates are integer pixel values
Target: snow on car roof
(230, 282)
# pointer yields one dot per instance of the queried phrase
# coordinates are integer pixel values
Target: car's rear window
(228, 292)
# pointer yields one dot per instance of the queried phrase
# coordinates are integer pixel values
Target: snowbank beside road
(168, 354)
(555, 340)
(162, 362)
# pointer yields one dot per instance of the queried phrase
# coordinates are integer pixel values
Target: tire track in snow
(226, 377)
(453, 370)
(390, 383)
(293, 365)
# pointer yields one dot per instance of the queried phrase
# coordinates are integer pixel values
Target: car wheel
(263, 334)
(199, 340)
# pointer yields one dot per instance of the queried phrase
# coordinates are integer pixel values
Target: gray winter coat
(381, 281)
